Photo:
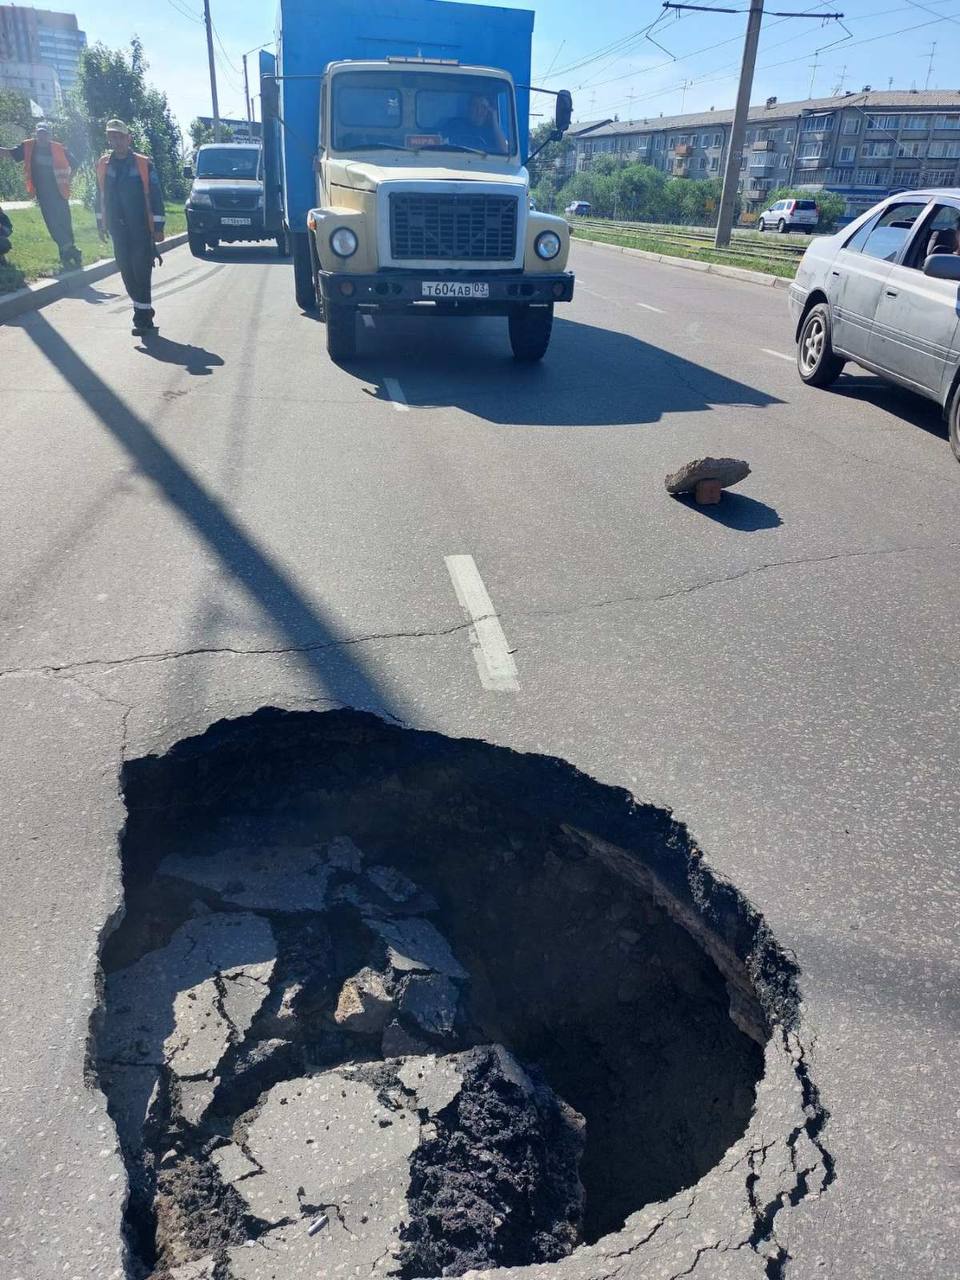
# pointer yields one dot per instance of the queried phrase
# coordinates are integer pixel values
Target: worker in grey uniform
(48, 167)
(130, 208)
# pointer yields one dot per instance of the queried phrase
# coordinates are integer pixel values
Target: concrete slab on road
(225, 520)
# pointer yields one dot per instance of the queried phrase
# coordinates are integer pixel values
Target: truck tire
(302, 271)
(341, 332)
(530, 329)
(198, 246)
(282, 250)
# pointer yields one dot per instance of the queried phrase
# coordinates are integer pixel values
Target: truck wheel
(341, 332)
(303, 271)
(198, 246)
(530, 329)
(282, 250)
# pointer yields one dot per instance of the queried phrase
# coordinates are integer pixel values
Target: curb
(34, 296)
(693, 264)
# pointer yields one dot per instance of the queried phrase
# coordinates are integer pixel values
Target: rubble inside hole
(387, 1003)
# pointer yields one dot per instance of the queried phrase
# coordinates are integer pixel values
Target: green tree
(202, 133)
(16, 123)
(830, 204)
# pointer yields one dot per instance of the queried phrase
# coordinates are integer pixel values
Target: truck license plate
(236, 222)
(455, 289)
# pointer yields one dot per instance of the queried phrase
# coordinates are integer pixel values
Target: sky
(607, 52)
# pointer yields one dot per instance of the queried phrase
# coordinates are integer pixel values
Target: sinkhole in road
(386, 1001)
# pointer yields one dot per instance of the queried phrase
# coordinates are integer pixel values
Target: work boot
(143, 321)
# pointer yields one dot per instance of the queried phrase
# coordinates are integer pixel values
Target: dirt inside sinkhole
(389, 1000)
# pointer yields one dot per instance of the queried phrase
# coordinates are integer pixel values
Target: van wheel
(953, 423)
(530, 329)
(303, 286)
(817, 362)
(341, 332)
(198, 246)
(782, 227)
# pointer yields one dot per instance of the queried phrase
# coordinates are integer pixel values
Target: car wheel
(817, 362)
(782, 226)
(762, 225)
(953, 423)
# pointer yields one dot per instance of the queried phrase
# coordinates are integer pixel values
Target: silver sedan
(885, 292)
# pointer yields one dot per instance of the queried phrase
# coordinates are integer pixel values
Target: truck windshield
(229, 162)
(415, 111)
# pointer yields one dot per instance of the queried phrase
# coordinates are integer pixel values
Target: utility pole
(246, 91)
(933, 50)
(813, 73)
(213, 70)
(731, 175)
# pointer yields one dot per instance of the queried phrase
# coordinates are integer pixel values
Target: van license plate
(455, 289)
(236, 222)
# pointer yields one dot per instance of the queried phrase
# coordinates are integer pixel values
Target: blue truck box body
(313, 33)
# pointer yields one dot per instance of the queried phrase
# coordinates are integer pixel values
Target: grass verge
(34, 256)
(631, 240)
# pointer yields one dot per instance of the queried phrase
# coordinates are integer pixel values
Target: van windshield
(228, 162)
(420, 111)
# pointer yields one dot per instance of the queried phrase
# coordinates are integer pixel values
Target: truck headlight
(547, 245)
(343, 242)
(200, 200)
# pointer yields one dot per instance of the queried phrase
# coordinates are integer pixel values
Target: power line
(223, 50)
(185, 13)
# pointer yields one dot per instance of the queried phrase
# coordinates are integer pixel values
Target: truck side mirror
(564, 111)
(188, 170)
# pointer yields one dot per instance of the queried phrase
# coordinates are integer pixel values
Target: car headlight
(547, 245)
(343, 242)
(200, 200)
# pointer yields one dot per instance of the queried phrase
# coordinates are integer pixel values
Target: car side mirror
(188, 170)
(564, 111)
(943, 266)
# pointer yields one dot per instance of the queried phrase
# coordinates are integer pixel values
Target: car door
(915, 329)
(860, 270)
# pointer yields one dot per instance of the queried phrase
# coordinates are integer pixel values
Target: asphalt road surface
(224, 519)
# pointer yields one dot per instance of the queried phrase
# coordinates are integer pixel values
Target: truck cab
(423, 203)
(226, 200)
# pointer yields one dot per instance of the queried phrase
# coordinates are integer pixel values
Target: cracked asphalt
(226, 520)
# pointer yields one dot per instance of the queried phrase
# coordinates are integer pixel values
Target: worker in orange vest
(130, 208)
(47, 169)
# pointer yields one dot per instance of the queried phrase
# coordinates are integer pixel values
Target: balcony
(683, 149)
(681, 168)
(763, 144)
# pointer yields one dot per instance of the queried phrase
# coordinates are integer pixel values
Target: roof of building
(577, 129)
(874, 100)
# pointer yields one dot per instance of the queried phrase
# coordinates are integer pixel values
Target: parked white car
(790, 215)
(885, 292)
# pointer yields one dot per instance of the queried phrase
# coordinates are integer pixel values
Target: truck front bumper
(403, 291)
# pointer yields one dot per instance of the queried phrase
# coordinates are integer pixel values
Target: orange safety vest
(143, 168)
(61, 169)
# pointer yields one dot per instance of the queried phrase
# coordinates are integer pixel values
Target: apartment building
(42, 37)
(861, 145)
(36, 81)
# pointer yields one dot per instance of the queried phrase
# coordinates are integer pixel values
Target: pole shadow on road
(195, 360)
(736, 511)
(590, 377)
(337, 667)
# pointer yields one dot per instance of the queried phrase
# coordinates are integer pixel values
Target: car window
(936, 234)
(885, 236)
(807, 205)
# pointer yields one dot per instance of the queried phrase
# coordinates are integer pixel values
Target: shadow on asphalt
(264, 253)
(898, 401)
(590, 377)
(195, 360)
(736, 511)
(338, 668)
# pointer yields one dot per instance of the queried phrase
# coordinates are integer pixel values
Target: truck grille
(455, 227)
(234, 200)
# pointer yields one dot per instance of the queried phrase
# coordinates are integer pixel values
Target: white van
(786, 215)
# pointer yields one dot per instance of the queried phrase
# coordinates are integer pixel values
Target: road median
(694, 264)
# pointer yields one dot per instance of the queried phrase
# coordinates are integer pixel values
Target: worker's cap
(117, 126)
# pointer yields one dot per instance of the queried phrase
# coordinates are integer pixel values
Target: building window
(941, 177)
(809, 151)
(915, 122)
(714, 163)
(702, 162)
(851, 125)
(911, 150)
(908, 178)
(877, 150)
(944, 150)
(785, 160)
(846, 154)
(788, 135)
(718, 139)
(891, 123)
(951, 121)
(869, 177)
(817, 124)
(658, 145)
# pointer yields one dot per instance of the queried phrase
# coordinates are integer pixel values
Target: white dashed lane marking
(495, 663)
(779, 354)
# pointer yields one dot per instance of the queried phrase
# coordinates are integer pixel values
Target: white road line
(494, 661)
(395, 392)
(647, 307)
(586, 289)
(779, 354)
(368, 320)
